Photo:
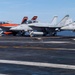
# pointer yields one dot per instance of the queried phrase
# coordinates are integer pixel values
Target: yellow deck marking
(37, 48)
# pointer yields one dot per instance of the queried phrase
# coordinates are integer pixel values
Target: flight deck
(37, 55)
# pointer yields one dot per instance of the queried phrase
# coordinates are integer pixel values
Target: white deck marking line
(39, 64)
(64, 49)
(54, 42)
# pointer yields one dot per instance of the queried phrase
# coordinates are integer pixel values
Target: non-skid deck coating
(39, 52)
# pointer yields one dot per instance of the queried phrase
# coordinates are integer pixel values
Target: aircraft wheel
(14, 34)
(54, 34)
(21, 33)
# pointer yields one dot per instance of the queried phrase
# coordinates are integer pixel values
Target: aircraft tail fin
(34, 18)
(69, 21)
(24, 20)
(54, 20)
(63, 21)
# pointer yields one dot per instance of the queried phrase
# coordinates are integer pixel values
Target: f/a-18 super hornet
(38, 28)
(5, 26)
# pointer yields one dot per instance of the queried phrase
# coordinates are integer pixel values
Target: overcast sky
(15, 10)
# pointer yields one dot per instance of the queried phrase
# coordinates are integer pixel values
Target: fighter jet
(5, 26)
(41, 28)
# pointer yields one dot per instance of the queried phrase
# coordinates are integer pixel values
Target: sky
(15, 10)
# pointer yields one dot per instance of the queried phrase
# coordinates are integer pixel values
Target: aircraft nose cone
(63, 28)
(14, 28)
